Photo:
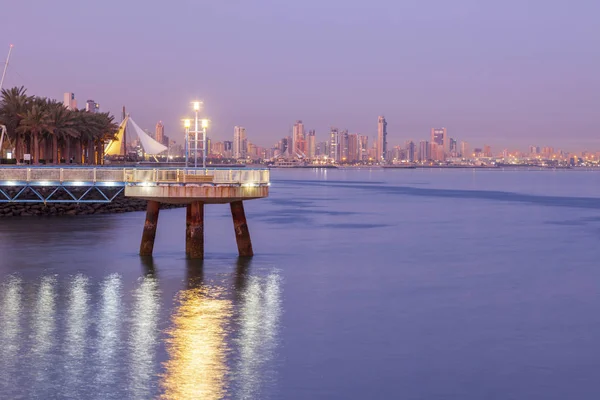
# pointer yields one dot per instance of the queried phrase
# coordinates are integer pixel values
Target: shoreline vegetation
(51, 133)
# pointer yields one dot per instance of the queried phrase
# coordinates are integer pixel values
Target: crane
(2, 127)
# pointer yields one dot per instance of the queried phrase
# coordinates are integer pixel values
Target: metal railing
(42, 175)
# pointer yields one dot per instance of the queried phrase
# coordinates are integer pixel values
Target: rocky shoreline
(120, 204)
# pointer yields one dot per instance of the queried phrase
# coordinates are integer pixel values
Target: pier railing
(47, 176)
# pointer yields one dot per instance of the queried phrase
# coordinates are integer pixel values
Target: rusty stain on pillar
(194, 233)
(242, 234)
(149, 233)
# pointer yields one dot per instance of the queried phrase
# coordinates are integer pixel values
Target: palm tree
(34, 123)
(63, 127)
(14, 104)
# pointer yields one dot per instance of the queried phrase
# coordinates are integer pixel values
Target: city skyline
(489, 73)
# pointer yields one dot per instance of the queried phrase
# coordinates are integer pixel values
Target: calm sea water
(407, 284)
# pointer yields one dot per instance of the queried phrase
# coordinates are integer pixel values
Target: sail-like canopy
(150, 146)
(115, 147)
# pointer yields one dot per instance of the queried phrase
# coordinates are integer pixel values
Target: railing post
(28, 174)
(94, 175)
(61, 175)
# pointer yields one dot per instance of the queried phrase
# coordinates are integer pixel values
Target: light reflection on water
(10, 330)
(77, 336)
(197, 345)
(144, 337)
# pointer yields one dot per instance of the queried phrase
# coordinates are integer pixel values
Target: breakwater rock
(120, 204)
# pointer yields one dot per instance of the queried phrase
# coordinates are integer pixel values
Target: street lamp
(204, 126)
(196, 105)
(187, 123)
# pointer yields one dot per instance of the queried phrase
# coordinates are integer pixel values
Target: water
(412, 284)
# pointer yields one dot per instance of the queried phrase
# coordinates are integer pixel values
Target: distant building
(227, 149)
(381, 144)
(297, 140)
(69, 101)
(343, 146)
(487, 151)
(240, 142)
(439, 138)
(159, 132)
(424, 148)
(409, 148)
(465, 151)
(333, 144)
(92, 106)
(311, 145)
(354, 151)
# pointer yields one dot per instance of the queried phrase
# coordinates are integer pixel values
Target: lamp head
(196, 105)
(205, 123)
(187, 123)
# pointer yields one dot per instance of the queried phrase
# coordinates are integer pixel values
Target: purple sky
(507, 73)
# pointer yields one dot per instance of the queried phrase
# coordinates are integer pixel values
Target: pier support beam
(194, 230)
(149, 233)
(242, 235)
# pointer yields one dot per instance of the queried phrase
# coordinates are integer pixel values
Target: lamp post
(204, 126)
(186, 124)
(196, 109)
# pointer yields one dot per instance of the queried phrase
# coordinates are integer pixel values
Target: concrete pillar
(194, 230)
(242, 235)
(149, 233)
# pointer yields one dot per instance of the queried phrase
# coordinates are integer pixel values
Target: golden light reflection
(197, 346)
(77, 321)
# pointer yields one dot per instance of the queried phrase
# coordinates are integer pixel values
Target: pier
(191, 187)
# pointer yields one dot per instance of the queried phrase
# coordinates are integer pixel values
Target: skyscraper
(343, 146)
(364, 147)
(353, 148)
(424, 151)
(297, 139)
(333, 144)
(69, 101)
(465, 151)
(240, 142)
(311, 145)
(381, 145)
(439, 138)
(410, 151)
(159, 132)
(92, 106)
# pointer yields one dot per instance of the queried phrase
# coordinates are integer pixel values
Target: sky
(506, 73)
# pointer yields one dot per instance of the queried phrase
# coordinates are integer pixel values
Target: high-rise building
(343, 146)
(297, 140)
(363, 143)
(69, 101)
(311, 145)
(322, 150)
(353, 148)
(381, 144)
(240, 142)
(92, 106)
(333, 144)
(227, 149)
(159, 132)
(424, 151)
(439, 137)
(453, 148)
(409, 151)
(487, 151)
(465, 151)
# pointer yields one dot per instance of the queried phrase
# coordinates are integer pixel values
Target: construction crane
(2, 127)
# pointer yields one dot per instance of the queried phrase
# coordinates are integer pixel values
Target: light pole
(204, 126)
(196, 109)
(186, 124)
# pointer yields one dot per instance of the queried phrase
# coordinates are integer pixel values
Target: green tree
(14, 104)
(34, 123)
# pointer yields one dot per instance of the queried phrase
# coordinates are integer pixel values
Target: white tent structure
(150, 146)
